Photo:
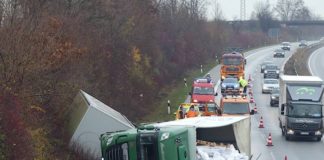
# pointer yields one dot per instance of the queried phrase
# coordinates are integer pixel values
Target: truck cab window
(147, 146)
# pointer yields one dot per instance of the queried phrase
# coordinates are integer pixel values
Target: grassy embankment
(176, 93)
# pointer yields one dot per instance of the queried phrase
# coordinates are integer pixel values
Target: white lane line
(272, 156)
(217, 84)
(310, 57)
(309, 64)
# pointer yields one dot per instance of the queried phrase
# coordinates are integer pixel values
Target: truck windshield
(236, 108)
(147, 147)
(232, 61)
(203, 90)
(305, 111)
(211, 107)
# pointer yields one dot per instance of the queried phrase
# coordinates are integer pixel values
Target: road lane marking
(272, 156)
(309, 64)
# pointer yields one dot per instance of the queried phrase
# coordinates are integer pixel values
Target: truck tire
(287, 137)
(318, 139)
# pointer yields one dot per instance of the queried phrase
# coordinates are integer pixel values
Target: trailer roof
(301, 79)
(204, 122)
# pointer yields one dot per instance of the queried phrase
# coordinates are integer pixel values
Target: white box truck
(301, 106)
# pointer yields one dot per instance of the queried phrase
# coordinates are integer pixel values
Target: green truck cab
(181, 139)
(146, 143)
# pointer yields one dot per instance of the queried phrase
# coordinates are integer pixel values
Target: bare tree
(264, 16)
(288, 9)
(218, 14)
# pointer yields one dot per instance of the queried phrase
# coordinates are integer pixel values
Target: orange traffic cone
(255, 110)
(286, 158)
(251, 100)
(269, 140)
(250, 85)
(261, 123)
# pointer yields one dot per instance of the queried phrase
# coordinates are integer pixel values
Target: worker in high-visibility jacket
(192, 113)
(243, 83)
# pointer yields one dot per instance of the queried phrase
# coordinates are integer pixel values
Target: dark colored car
(271, 71)
(231, 84)
(285, 46)
(274, 97)
(279, 53)
(303, 43)
(264, 64)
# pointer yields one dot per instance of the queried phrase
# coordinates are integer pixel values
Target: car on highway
(322, 39)
(279, 53)
(202, 92)
(202, 80)
(271, 71)
(285, 46)
(230, 84)
(303, 43)
(264, 64)
(274, 97)
(269, 84)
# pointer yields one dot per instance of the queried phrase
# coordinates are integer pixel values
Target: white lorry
(301, 106)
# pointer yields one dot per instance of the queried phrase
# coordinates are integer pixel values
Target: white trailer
(230, 130)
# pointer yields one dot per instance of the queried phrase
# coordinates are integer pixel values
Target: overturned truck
(204, 138)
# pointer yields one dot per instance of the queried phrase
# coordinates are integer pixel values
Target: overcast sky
(231, 8)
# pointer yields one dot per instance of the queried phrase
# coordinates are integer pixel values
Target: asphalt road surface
(316, 63)
(297, 149)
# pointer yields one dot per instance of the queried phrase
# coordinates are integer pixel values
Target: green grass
(176, 93)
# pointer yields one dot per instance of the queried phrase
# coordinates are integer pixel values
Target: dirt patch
(297, 63)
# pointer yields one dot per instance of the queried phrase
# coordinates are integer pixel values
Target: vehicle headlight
(290, 131)
(265, 71)
(195, 100)
(223, 85)
(165, 136)
(236, 86)
(211, 100)
(265, 87)
(273, 97)
(277, 72)
(109, 140)
(318, 133)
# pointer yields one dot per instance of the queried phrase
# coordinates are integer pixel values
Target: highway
(297, 149)
(315, 63)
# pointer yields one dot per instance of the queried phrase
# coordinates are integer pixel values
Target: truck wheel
(318, 139)
(287, 137)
